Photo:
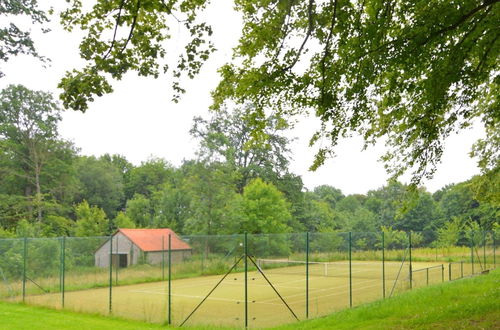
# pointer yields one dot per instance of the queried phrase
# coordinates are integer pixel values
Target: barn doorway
(120, 260)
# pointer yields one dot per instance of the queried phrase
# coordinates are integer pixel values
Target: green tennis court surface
(329, 290)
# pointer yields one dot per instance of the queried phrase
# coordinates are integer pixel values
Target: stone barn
(141, 246)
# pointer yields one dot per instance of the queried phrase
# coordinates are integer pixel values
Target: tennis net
(358, 269)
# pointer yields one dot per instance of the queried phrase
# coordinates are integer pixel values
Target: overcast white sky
(139, 121)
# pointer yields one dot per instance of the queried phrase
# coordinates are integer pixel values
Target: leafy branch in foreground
(411, 72)
(14, 40)
(130, 35)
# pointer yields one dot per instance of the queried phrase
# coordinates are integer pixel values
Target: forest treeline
(238, 182)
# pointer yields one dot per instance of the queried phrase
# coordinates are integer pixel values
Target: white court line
(318, 290)
(327, 295)
(346, 291)
(268, 301)
(273, 300)
(201, 297)
(214, 281)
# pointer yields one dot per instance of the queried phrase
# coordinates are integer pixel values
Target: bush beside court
(472, 303)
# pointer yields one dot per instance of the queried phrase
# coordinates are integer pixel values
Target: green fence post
(110, 273)
(350, 269)
(449, 272)
(203, 252)
(307, 275)
(383, 265)
(427, 273)
(442, 273)
(472, 251)
(163, 258)
(169, 278)
(411, 268)
(494, 251)
(117, 261)
(246, 281)
(25, 253)
(461, 269)
(63, 270)
(484, 249)
(60, 264)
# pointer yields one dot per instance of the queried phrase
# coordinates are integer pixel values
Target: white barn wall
(121, 245)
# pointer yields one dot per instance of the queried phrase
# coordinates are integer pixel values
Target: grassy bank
(472, 303)
(464, 304)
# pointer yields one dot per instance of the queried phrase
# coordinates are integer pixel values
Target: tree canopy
(411, 71)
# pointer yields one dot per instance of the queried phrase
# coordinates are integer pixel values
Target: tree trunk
(38, 193)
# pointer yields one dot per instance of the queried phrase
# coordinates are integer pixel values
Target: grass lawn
(463, 304)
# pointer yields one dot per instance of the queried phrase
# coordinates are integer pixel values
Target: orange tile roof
(151, 239)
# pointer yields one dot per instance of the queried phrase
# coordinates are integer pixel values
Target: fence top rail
(327, 263)
(457, 262)
(421, 269)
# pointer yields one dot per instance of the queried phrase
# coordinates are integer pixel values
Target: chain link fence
(251, 280)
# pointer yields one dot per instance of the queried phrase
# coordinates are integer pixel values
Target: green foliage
(410, 71)
(139, 210)
(329, 194)
(171, 207)
(486, 187)
(148, 177)
(230, 137)
(318, 214)
(328, 240)
(28, 127)
(413, 81)
(264, 209)
(420, 215)
(459, 201)
(236, 185)
(13, 208)
(394, 239)
(91, 221)
(123, 221)
(5, 233)
(212, 191)
(450, 233)
(144, 27)
(101, 184)
(57, 226)
(26, 229)
(15, 41)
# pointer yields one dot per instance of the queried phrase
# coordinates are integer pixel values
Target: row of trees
(239, 182)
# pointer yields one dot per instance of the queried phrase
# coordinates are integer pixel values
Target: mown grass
(472, 303)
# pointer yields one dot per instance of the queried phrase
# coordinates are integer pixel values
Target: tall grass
(424, 254)
(80, 278)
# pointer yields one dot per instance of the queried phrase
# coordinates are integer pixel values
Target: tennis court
(329, 290)
(289, 276)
